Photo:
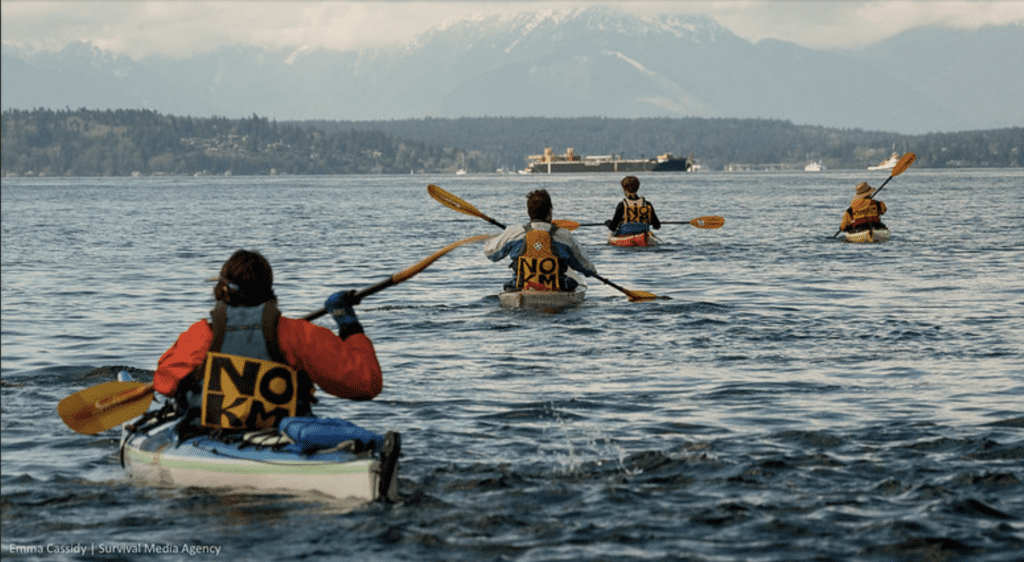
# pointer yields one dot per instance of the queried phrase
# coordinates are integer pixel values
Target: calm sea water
(798, 398)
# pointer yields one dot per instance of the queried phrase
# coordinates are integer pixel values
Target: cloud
(182, 29)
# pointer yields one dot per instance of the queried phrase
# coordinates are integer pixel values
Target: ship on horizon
(570, 162)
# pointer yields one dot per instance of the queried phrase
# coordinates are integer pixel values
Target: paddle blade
(566, 224)
(640, 296)
(708, 222)
(407, 273)
(104, 406)
(453, 202)
(903, 164)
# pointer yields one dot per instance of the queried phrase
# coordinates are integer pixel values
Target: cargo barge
(551, 163)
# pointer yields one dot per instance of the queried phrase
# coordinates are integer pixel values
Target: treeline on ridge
(142, 142)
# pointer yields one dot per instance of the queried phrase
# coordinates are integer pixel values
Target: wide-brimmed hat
(864, 190)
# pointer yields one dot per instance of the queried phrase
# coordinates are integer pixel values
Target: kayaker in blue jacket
(541, 252)
(634, 214)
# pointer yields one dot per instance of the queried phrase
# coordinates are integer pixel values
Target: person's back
(864, 213)
(541, 252)
(634, 214)
(247, 335)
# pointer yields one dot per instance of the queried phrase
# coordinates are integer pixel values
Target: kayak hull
(541, 300)
(642, 239)
(155, 454)
(157, 457)
(875, 236)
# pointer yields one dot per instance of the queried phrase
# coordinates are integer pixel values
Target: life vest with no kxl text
(538, 267)
(246, 384)
(636, 210)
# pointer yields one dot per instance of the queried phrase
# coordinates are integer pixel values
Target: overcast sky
(138, 29)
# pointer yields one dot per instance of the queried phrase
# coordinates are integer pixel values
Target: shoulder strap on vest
(271, 314)
(219, 317)
(270, 317)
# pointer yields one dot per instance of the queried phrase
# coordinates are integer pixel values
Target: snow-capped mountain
(561, 63)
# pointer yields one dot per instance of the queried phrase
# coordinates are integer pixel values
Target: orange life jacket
(865, 213)
(538, 267)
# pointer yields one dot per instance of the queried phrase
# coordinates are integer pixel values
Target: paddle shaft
(401, 275)
(358, 296)
(608, 282)
(718, 222)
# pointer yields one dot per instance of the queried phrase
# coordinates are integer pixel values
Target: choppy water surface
(798, 398)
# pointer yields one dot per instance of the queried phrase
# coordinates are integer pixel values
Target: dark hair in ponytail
(246, 279)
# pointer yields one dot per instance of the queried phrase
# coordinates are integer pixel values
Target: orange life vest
(538, 267)
(864, 213)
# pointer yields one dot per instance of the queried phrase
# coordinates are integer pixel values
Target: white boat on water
(814, 167)
(887, 164)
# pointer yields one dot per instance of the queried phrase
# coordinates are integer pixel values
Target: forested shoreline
(129, 142)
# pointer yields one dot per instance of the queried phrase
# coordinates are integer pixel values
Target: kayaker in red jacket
(343, 365)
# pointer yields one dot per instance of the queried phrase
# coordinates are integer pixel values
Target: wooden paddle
(106, 405)
(898, 169)
(633, 295)
(708, 222)
(404, 274)
(453, 202)
(460, 205)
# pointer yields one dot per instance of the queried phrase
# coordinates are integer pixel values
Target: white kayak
(550, 301)
(266, 460)
(868, 236)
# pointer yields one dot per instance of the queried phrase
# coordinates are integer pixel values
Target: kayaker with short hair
(634, 214)
(247, 367)
(541, 252)
(864, 213)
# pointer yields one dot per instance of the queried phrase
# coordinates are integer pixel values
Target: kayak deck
(868, 236)
(642, 239)
(541, 300)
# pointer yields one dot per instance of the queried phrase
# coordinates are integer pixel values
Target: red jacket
(344, 368)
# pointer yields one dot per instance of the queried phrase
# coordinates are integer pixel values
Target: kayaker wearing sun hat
(863, 213)
(248, 367)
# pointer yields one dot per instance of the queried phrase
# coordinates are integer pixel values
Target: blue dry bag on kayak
(314, 434)
(630, 228)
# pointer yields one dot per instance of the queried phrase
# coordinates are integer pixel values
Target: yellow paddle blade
(708, 222)
(104, 406)
(453, 202)
(635, 296)
(566, 224)
(407, 273)
(903, 164)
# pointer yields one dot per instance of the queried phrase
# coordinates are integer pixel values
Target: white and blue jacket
(510, 244)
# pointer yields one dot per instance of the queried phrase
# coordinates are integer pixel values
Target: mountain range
(586, 62)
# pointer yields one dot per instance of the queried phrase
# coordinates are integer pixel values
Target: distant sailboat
(462, 166)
